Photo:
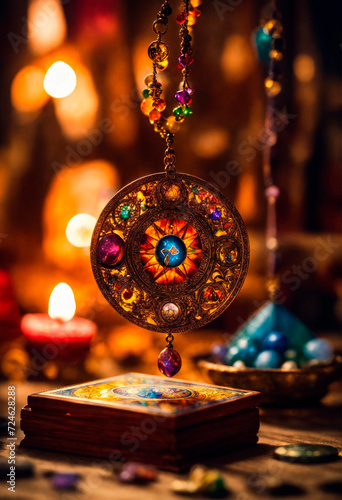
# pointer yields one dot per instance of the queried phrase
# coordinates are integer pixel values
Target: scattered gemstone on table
(64, 481)
(136, 473)
(208, 483)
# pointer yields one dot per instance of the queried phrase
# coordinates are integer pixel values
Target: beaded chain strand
(158, 51)
(272, 28)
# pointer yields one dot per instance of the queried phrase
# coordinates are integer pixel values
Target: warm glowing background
(70, 140)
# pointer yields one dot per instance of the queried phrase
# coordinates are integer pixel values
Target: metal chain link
(169, 339)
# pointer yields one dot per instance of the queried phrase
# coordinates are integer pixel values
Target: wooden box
(135, 417)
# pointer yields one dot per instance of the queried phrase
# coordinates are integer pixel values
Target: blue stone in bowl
(318, 349)
(268, 359)
(275, 341)
(244, 350)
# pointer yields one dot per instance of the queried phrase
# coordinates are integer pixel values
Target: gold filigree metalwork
(168, 295)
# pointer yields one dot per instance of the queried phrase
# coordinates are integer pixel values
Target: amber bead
(158, 52)
(160, 104)
(154, 115)
(162, 65)
(172, 124)
(148, 80)
(272, 87)
(146, 106)
(160, 125)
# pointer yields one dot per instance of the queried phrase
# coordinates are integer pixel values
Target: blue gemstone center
(170, 251)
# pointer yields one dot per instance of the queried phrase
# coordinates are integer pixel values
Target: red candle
(59, 335)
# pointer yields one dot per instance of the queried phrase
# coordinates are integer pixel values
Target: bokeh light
(77, 112)
(27, 90)
(60, 80)
(79, 230)
(304, 68)
(46, 25)
(237, 59)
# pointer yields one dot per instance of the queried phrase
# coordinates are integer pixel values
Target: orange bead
(154, 115)
(146, 106)
(160, 104)
(172, 125)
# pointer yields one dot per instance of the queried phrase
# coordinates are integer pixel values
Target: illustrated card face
(134, 391)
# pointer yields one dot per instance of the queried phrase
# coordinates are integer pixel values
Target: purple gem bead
(169, 362)
(189, 90)
(110, 249)
(215, 215)
(183, 97)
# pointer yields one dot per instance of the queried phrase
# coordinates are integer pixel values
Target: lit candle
(59, 335)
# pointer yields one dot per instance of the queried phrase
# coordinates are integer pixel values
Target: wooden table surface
(247, 471)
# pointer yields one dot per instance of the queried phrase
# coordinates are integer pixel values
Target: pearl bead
(289, 365)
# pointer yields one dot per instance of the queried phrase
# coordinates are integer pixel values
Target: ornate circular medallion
(170, 252)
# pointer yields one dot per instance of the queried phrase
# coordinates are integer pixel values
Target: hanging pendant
(170, 253)
(169, 360)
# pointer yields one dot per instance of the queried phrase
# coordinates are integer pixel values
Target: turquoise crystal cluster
(273, 338)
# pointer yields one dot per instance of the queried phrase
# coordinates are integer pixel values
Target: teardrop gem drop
(169, 362)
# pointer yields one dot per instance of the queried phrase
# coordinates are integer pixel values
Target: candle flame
(62, 303)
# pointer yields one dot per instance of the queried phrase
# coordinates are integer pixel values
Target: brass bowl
(277, 387)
